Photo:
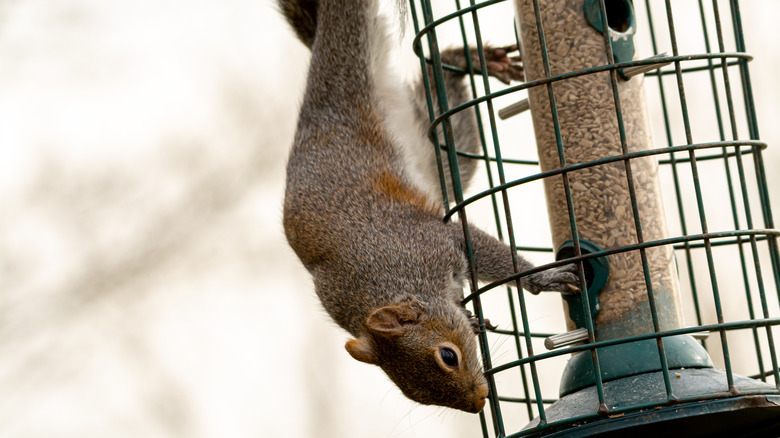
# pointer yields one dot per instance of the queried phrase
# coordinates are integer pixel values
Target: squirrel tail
(350, 51)
(302, 16)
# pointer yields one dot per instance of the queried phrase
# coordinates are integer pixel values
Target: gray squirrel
(363, 213)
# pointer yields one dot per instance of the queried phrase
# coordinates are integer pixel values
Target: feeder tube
(603, 198)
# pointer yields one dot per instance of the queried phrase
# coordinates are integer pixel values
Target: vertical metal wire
(500, 169)
(523, 373)
(429, 101)
(634, 204)
(699, 198)
(750, 110)
(675, 176)
(572, 220)
(436, 60)
(743, 184)
(510, 299)
(727, 167)
(508, 220)
(491, 114)
(458, 192)
(507, 211)
(489, 172)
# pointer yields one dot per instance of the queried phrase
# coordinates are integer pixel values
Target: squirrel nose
(481, 394)
(478, 405)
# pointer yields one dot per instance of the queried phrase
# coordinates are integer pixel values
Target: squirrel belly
(363, 210)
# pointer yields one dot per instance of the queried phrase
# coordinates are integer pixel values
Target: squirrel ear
(361, 350)
(393, 321)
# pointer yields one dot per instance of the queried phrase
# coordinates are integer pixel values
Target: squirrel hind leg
(464, 127)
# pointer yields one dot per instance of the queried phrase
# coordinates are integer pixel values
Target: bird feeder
(635, 364)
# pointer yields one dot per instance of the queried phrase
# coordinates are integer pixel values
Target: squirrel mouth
(481, 397)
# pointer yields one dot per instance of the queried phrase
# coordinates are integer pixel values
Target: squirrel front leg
(492, 258)
(493, 262)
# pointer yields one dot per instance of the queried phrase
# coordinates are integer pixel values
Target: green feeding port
(621, 25)
(596, 271)
(620, 15)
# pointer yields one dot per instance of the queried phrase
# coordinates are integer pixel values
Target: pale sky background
(146, 289)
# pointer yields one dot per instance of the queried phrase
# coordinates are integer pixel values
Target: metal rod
(568, 338)
(640, 69)
(514, 109)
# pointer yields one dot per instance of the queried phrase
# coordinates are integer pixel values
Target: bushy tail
(302, 16)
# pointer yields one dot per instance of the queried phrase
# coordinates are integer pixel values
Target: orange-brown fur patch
(396, 189)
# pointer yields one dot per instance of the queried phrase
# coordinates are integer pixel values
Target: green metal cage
(645, 374)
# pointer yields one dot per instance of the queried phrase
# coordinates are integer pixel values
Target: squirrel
(362, 213)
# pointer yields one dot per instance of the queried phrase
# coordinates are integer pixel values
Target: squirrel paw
(474, 321)
(481, 328)
(499, 64)
(564, 279)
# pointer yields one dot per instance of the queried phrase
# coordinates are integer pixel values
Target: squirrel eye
(449, 357)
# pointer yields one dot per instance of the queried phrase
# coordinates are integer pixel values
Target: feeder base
(714, 412)
(639, 357)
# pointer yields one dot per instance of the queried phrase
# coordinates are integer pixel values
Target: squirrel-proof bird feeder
(636, 365)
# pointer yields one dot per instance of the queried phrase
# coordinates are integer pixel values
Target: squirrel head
(431, 356)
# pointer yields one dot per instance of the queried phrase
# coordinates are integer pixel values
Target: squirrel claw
(474, 321)
(499, 64)
(481, 328)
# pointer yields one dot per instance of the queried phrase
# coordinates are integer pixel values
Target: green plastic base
(623, 360)
(714, 412)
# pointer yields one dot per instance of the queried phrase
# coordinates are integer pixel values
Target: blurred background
(146, 289)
